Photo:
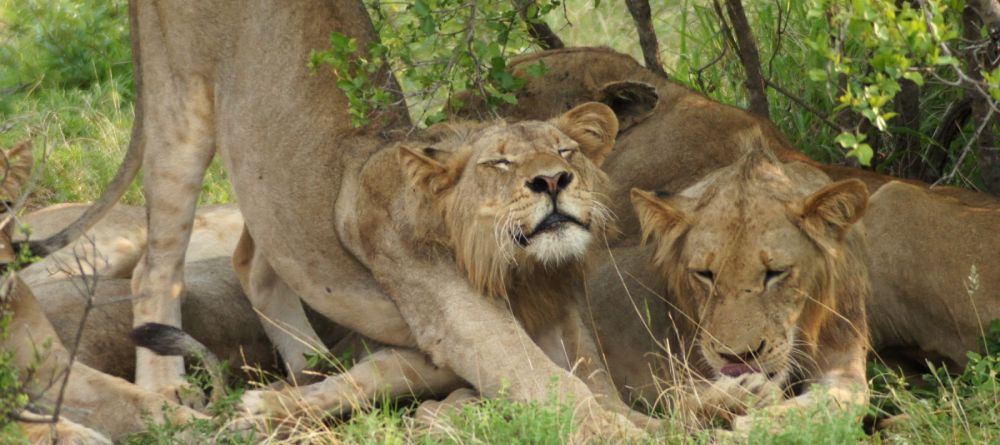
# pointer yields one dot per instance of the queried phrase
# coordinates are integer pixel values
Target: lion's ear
(631, 101)
(657, 217)
(832, 210)
(426, 169)
(18, 170)
(592, 125)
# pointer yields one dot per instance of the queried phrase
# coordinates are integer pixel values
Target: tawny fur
(767, 259)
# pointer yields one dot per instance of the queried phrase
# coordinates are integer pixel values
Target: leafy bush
(435, 48)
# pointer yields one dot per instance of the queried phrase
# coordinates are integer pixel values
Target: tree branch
(647, 35)
(983, 106)
(537, 28)
(749, 58)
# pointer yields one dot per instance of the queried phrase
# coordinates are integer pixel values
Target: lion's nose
(550, 184)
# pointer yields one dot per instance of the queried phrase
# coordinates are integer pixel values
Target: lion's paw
(185, 394)
(647, 423)
(752, 389)
(259, 402)
(606, 426)
(430, 412)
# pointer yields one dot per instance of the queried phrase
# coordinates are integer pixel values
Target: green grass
(81, 136)
(66, 84)
(952, 409)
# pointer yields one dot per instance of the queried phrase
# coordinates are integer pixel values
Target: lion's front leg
(479, 338)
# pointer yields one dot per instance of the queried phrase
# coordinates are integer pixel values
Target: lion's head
(765, 260)
(516, 199)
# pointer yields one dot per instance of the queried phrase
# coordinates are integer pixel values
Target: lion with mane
(767, 268)
(492, 219)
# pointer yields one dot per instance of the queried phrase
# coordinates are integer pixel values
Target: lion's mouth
(739, 369)
(551, 223)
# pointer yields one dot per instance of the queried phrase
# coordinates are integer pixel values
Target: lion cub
(766, 266)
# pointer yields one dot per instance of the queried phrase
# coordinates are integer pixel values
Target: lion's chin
(555, 247)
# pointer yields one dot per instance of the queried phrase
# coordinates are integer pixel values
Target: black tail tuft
(160, 338)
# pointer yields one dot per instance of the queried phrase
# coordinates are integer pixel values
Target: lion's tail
(168, 340)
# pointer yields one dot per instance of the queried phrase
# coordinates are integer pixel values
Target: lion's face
(533, 191)
(744, 252)
(520, 195)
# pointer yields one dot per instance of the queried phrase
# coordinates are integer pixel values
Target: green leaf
(339, 41)
(847, 140)
(863, 152)
(914, 77)
(817, 75)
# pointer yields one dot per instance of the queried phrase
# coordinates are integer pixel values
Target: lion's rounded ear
(657, 217)
(631, 101)
(426, 169)
(832, 210)
(17, 171)
(592, 125)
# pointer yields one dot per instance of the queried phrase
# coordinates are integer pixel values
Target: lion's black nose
(550, 184)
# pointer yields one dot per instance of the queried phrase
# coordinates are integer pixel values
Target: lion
(766, 265)
(492, 221)
(95, 406)
(935, 271)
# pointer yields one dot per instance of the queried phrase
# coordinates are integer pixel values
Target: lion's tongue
(737, 369)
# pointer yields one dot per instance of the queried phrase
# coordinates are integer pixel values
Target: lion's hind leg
(175, 125)
(279, 309)
(389, 373)
(175, 161)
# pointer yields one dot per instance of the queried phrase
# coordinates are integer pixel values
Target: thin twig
(802, 103)
(779, 32)
(967, 148)
(726, 43)
(90, 278)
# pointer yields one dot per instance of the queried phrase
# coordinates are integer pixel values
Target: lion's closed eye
(705, 275)
(773, 276)
(498, 163)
